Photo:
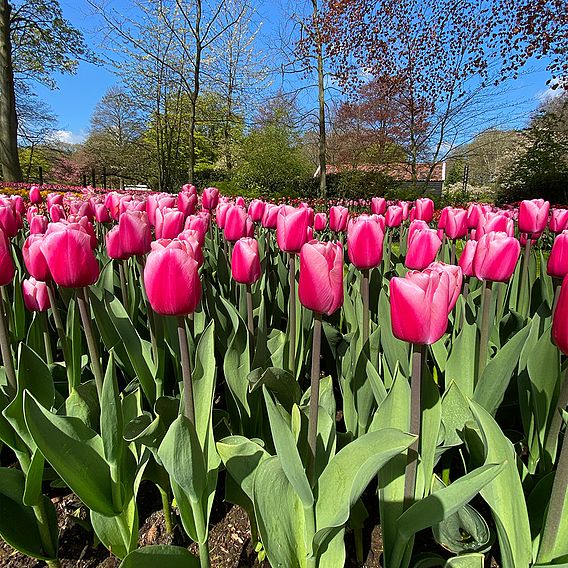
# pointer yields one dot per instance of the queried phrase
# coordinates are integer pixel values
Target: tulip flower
(378, 205)
(423, 210)
(186, 203)
(494, 222)
(456, 280)
(31, 212)
(197, 223)
(533, 216)
(221, 214)
(135, 234)
(8, 219)
(237, 223)
(256, 210)
(338, 217)
(474, 212)
(558, 220)
(70, 258)
(7, 271)
(291, 229)
(169, 223)
(189, 188)
(56, 213)
(36, 298)
(54, 198)
(270, 217)
(101, 213)
(210, 198)
(193, 238)
(456, 223)
(557, 266)
(321, 276)
(320, 221)
(466, 259)
(393, 217)
(34, 260)
(35, 195)
(423, 246)
(38, 225)
(495, 257)
(113, 245)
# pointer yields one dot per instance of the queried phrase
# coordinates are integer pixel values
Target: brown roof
(399, 171)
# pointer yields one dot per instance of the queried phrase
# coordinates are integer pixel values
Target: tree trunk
(322, 142)
(11, 170)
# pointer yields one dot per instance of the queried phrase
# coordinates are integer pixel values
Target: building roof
(398, 171)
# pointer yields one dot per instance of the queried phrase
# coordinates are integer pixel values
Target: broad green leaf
(460, 367)
(288, 452)
(505, 493)
(111, 417)
(455, 414)
(160, 555)
(18, 524)
(34, 479)
(279, 382)
(75, 452)
(348, 474)
(83, 403)
(473, 560)
(490, 389)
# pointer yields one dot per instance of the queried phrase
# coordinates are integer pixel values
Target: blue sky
(73, 102)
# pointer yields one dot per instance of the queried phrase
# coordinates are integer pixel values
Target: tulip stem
(365, 297)
(557, 283)
(189, 410)
(46, 338)
(486, 292)
(167, 509)
(61, 333)
(123, 284)
(250, 317)
(556, 421)
(555, 507)
(314, 397)
(453, 252)
(524, 296)
(151, 320)
(6, 350)
(292, 314)
(84, 310)
(389, 247)
(418, 352)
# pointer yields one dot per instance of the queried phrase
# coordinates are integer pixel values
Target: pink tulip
(558, 220)
(189, 188)
(221, 214)
(466, 258)
(34, 259)
(197, 223)
(423, 246)
(171, 278)
(320, 288)
(557, 266)
(245, 261)
(31, 213)
(533, 216)
(169, 223)
(240, 201)
(393, 217)
(134, 233)
(420, 305)
(101, 213)
(320, 221)
(192, 238)
(494, 222)
(365, 241)
(292, 229)
(560, 319)
(237, 223)
(187, 202)
(54, 199)
(474, 212)
(132, 205)
(113, 248)
(7, 269)
(36, 298)
(456, 224)
(38, 226)
(19, 205)
(456, 280)
(56, 213)
(35, 195)
(442, 221)
(338, 217)
(256, 210)
(423, 209)
(70, 258)
(378, 205)
(270, 217)
(8, 219)
(405, 205)
(496, 257)
(210, 198)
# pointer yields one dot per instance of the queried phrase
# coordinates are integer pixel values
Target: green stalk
(85, 311)
(167, 510)
(292, 314)
(524, 296)
(46, 338)
(7, 350)
(123, 288)
(45, 534)
(250, 317)
(485, 326)
(418, 352)
(453, 252)
(61, 334)
(389, 247)
(314, 398)
(189, 409)
(365, 297)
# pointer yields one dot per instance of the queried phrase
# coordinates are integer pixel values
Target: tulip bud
(134, 233)
(70, 257)
(186, 202)
(114, 250)
(560, 319)
(558, 220)
(38, 225)
(169, 223)
(270, 217)
(338, 217)
(423, 246)
(466, 258)
(56, 213)
(456, 224)
(7, 269)
(378, 205)
(496, 256)
(171, 278)
(256, 210)
(533, 216)
(320, 221)
(365, 242)
(210, 198)
(36, 298)
(423, 210)
(320, 288)
(236, 225)
(420, 305)
(393, 217)
(35, 195)
(557, 266)
(292, 229)
(245, 261)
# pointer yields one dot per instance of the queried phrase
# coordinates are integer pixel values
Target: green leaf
(490, 390)
(279, 382)
(288, 452)
(460, 367)
(111, 417)
(83, 403)
(34, 479)
(160, 555)
(348, 474)
(75, 452)
(473, 560)
(18, 525)
(505, 493)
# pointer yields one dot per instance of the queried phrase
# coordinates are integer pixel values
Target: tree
(540, 168)
(442, 57)
(35, 42)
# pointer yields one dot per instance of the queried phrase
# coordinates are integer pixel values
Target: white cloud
(68, 137)
(550, 93)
